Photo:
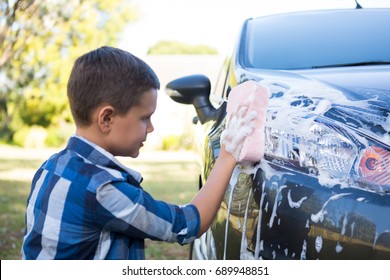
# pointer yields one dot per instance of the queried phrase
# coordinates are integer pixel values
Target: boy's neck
(90, 134)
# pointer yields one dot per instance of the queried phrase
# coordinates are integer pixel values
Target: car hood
(358, 97)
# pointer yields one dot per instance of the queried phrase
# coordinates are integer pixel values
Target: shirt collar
(98, 155)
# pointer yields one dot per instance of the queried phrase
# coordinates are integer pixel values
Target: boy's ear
(105, 118)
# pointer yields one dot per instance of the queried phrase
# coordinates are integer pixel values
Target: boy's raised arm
(246, 109)
(209, 198)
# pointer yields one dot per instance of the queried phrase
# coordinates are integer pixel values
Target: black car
(322, 190)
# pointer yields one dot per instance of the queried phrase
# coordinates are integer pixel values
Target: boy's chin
(134, 154)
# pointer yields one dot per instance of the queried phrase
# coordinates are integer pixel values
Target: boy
(84, 204)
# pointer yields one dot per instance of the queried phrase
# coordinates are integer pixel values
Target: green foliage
(38, 110)
(174, 47)
(178, 142)
(36, 136)
(39, 40)
(30, 137)
(171, 142)
(59, 134)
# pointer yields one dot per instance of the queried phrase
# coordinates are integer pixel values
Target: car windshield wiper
(353, 64)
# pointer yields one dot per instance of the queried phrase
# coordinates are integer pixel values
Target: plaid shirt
(84, 204)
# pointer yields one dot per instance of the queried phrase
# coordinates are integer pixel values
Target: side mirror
(195, 90)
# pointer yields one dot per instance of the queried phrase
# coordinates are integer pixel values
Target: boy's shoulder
(88, 173)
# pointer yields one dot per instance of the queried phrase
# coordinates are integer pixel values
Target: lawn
(167, 176)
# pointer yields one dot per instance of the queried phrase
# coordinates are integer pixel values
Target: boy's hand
(238, 127)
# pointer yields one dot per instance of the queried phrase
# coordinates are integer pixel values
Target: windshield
(315, 40)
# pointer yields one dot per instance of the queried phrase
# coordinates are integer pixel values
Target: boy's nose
(150, 128)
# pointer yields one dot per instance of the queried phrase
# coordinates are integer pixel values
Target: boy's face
(129, 131)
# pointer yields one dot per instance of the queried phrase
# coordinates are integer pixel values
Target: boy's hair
(111, 76)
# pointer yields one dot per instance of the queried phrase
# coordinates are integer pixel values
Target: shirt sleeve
(132, 211)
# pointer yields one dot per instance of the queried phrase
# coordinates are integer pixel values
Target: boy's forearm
(209, 198)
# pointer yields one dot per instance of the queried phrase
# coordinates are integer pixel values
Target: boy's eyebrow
(149, 114)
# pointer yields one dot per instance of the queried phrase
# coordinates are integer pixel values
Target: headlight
(324, 149)
(374, 165)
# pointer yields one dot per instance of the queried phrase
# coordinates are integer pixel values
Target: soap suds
(258, 237)
(244, 253)
(319, 217)
(238, 127)
(303, 252)
(294, 204)
(318, 243)
(227, 219)
(277, 198)
(338, 248)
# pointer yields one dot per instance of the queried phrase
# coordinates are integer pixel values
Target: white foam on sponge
(254, 97)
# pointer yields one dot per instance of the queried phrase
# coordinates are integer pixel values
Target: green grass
(12, 206)
(173, 181)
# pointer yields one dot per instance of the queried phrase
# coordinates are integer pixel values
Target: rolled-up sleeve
(188, 217)
(130, 210)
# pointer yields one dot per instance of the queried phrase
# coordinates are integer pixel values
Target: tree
(174, 47)
(39, 41)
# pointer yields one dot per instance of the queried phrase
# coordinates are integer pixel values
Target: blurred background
(39, 41)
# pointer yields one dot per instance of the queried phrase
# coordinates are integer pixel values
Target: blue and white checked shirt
(84, 204)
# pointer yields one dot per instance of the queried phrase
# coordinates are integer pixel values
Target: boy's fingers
(238, 127)
(239, 111)
(242, 110)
